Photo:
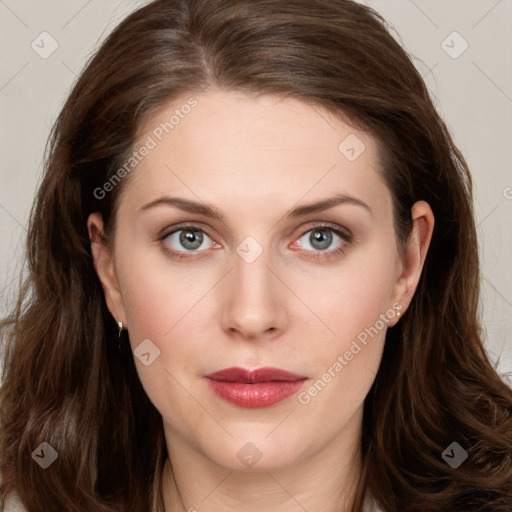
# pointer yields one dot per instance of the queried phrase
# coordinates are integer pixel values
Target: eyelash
(315, 255)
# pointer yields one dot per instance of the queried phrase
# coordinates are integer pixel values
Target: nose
(254, 305)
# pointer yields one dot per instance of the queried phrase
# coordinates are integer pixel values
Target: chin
(257, 453)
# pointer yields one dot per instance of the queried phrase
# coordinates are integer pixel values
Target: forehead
(241, 149)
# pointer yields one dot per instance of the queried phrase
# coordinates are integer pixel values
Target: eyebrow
(200, 208)
(326, 204)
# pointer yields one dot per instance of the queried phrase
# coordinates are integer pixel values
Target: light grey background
(472, 91)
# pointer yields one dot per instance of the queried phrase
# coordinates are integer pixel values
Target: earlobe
(415, 253)
(104, 266)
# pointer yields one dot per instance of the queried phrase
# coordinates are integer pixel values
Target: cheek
(344, 366)
(160, 306)
(353, 296)
(355, 305)
(168, 304)
(150, 307)
(158, 293)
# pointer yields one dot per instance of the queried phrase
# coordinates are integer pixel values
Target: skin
(255, 159)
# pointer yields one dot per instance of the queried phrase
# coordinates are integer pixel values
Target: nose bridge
(254, 303)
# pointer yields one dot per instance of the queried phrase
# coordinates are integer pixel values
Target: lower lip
(252, 396)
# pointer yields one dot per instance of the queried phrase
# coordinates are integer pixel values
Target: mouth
(252, 389)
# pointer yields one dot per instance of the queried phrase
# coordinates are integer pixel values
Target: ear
(414, 254)
(104, 266)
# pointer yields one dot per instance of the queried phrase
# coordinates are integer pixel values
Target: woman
(253, 280)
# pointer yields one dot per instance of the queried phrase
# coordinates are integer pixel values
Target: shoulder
(11, 504)
(371, 506)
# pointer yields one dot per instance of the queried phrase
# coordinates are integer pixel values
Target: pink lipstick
(257, 388)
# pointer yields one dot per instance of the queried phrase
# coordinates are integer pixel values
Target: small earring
(398, 307)
(120, 329)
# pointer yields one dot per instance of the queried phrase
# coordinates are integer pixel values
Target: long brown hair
(65, 383)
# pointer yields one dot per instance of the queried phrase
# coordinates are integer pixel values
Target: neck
(324, 482)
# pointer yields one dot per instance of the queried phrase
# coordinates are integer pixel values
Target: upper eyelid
(164, 233)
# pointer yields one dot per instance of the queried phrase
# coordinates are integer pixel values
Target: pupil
(191, 239)
(321, 239)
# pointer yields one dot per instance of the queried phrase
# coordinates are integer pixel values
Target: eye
(319, 239)
(325, 239)
(188, 239)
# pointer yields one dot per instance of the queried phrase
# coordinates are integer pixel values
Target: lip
(252, 389)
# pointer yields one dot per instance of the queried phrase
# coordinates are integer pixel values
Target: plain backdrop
(461, 47)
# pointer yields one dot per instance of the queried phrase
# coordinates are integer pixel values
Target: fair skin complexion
(255, 160)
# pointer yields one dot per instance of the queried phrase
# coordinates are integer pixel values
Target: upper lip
(256, 376)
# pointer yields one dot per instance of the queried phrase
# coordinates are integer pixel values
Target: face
(255, 233)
